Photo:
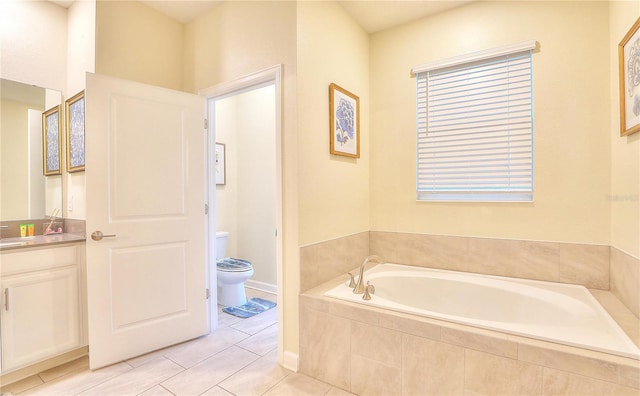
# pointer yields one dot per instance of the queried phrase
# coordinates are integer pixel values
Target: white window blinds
(475, 128)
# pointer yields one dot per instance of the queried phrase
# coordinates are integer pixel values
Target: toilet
(231, 273)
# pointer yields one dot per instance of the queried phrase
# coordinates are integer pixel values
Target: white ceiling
(182, 10)
(376, 15)
(372, 15)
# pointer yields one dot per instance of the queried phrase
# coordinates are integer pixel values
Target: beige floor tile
(226, 320)
(159, 354)
(257, 323)
(338, 392)
(78, 382)
(22, 385)
(230, 354)
(216, 391)
(299, 385)
(209, 373)
(256, 378)
(157, 391)
(137, 380)
(263, 342)
(74, 365)
(203, 348)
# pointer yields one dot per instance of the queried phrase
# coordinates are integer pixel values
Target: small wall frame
(629, 63)
(221, 172)
(74, 109)
(344, 120)
(51, 141)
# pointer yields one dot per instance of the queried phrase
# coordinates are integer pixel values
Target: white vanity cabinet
(42, 311)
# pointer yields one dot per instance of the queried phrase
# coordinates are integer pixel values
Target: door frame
(254, 80)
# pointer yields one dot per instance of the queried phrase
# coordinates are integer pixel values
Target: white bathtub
(555, 312)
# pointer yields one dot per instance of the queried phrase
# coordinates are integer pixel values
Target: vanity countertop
(38, 241)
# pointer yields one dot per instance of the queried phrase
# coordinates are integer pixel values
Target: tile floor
(240, 358)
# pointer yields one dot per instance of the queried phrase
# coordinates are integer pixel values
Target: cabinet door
(40, 316)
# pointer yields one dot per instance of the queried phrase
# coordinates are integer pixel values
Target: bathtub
(561, 313)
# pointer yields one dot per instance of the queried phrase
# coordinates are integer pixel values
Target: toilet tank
(221, 244)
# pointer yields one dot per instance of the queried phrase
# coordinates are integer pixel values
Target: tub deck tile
(410, 324)
(558, 382)
(431, 367)
(480, 342)
(372, 377)
(495, 375)
(582, 365)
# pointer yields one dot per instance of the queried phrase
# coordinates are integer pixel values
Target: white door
(145, 183)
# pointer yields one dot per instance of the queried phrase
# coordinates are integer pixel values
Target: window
(475, 127)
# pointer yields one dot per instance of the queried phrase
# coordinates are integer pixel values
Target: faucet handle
(352, 282)
(368, 291)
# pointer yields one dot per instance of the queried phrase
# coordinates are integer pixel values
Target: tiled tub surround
(372, 351)
(593, 266)
(368, 350)
(324, 261)
(548, 311)
(625, 280)
(586, 265)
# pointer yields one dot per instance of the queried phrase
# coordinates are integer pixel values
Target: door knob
(98, 235)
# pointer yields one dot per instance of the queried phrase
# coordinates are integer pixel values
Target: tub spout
(359, 289)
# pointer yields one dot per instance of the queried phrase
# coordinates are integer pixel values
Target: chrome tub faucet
(359, 287)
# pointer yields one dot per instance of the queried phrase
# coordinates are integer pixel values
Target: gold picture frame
(51, 141)
(344, 120)
(629, 64)
(74, 125)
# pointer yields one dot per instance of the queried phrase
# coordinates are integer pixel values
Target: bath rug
(253, 307)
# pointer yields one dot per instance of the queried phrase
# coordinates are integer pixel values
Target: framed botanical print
(629, 63)
(75, 132)
(51, 141)
(344, 119)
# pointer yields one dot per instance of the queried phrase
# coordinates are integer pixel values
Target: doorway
(244, 120)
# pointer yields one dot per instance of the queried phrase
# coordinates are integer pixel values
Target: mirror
(25, 192)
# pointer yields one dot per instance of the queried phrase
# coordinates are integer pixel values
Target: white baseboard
(267, 287)
(290, 361)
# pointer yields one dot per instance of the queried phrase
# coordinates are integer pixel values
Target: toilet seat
(231, 264)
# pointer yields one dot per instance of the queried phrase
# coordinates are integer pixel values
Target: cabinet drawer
(37, 259)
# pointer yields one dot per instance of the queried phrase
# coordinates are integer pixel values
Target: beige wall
(625, 151)
(245, 205)
(34, 43)
(333, 190)
(233, 40)
(81, 17)
(47, 45)
(136, 42)
(572, 112)
(580, 162)
(14, 161)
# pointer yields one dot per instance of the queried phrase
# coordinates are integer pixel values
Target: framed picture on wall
(221, 175)
(629, 63)
(51, 141)
(344, 120)
(75, 132)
